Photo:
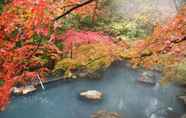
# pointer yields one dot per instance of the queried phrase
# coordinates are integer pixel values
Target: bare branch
(73, 8)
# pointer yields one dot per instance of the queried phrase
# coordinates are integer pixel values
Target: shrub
(176, 73)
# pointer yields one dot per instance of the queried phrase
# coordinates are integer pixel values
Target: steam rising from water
(156, 10)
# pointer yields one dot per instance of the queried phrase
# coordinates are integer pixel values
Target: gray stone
(105, 114)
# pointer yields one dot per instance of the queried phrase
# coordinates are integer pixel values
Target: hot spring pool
(122, 93)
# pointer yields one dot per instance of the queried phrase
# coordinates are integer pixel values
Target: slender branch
(73, 8)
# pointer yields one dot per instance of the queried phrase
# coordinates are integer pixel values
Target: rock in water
(147, 77)
(105, 114)
(2, 109)
(92, 95)
(28, 89)
(184, 116)
(183, 98)
(23, 90)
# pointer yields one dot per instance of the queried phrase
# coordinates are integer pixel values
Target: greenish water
(122, 93)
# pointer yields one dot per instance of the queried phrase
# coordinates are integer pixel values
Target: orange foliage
(20, 22)
(167, 40)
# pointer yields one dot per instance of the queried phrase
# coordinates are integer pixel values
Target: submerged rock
(92, 95)
(105, 114)
(147, 77)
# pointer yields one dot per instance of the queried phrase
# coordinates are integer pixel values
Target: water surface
(122, 93)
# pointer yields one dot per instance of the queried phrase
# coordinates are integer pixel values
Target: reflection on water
(122, 93)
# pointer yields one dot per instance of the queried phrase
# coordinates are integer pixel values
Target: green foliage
(36, 39)
(19, 44)
(65, 65)
(124, 29)
(78, 22)
(91, 57)
(87, 21)
(72, 20)
(43, 58)
(1, 82)
(1, 8)
(130, 23)
(128, 29)
(59, 44)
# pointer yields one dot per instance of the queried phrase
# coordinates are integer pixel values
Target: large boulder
(92, 95)
(105, 114)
